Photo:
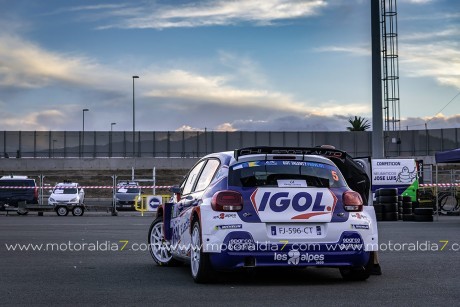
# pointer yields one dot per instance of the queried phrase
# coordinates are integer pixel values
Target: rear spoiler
(266, 150)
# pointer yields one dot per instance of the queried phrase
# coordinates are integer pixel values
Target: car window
(127, 190)
(207, 174)
(276, 173)
(191, 179)
(65, 191)
(17, 183)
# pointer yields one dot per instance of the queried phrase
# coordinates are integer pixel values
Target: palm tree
(358, 124)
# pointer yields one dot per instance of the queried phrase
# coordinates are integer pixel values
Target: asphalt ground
(114, 268)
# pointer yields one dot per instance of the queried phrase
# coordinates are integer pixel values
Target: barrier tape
(443, 185)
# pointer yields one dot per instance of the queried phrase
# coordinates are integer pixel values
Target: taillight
(227, 201)
(36, 193)
(352, 201)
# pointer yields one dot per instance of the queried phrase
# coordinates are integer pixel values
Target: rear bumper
(244, 252)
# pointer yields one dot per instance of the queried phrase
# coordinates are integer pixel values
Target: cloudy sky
(297, 65)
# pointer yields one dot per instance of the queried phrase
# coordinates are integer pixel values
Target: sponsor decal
(234, 226)
(225, 216)
(294, 257)
(359, 216)
(353, 226)
(295, 203)
(179, 227)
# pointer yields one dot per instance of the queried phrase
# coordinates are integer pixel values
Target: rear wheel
(62, 211)
(200, 264)
(159, 248)
(78, 211)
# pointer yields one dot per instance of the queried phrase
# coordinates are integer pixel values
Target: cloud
(352, 50)
(26, 65)
(213, 13)
(451, 32)
(438, 60)
(309, 122)
(34, 121)
(418, 1)
(440, 121)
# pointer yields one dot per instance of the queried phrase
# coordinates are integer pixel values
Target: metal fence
(94, 144)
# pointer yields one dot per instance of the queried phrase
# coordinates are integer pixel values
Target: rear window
(285, 174)
(128, 190)
(17, 183)
(65, 191)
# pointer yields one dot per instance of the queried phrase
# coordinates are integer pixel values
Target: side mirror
(175, 189)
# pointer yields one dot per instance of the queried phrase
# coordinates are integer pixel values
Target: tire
(423, 218)
(378, 208)
(388, 192)
(423, 211)
(201, 268)
(408, 217)
(407, 199)
(354, 274)
(62, 211)
(392, 216)
(390, 208)
(407, 210)
(387, 199)
(78, 211)
(158, 247)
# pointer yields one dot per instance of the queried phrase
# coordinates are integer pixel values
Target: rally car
(265, 206)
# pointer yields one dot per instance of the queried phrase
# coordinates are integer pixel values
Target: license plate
(295, 231)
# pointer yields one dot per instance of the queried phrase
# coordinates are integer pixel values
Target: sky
(222, 65)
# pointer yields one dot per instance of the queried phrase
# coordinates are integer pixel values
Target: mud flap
(167, 220)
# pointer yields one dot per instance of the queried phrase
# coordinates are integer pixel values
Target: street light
(111, 126)
(134, 118)
(83, 132)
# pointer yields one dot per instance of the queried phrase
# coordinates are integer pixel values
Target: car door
(195, 185)
(180, 219)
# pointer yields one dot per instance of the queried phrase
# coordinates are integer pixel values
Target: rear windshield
(285, 174)
(127, 190)
(17, 183)
(65, 191)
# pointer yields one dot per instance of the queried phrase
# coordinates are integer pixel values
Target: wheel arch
(195, 216)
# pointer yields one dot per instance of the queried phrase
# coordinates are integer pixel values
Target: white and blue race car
(265, 206)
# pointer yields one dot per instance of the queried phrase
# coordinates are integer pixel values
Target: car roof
(15, 178)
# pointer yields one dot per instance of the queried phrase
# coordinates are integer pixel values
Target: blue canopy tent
(450, 156)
